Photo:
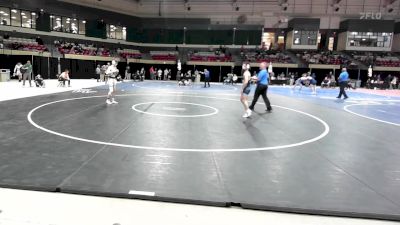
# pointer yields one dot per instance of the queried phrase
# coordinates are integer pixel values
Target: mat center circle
(175, 109)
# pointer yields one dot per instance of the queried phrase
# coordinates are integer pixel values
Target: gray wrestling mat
(196, 148)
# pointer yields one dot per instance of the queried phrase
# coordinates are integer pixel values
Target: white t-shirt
(64, 75)
(112, 71)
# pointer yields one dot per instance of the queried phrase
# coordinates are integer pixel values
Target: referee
(262, 87)
(343, 80)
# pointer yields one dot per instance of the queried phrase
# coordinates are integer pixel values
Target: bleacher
(389, 61)
(129, 53)
(329, 58)
(210, 57)
(164, 55)
(81, 49)
(378, 59)
(23, 44)
(266, 56)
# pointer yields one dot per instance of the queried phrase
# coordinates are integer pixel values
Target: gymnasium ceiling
(253, 11)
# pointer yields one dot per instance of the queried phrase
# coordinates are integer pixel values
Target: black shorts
(246, 91)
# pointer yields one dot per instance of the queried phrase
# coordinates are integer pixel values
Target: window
(33, 20)
(56, 23)
(74, 26)
(26, 19)
(116, 32)
(369, 39)
(304, 37)
(67, 24)
(5, 16)
(82, 26)
(15, 17)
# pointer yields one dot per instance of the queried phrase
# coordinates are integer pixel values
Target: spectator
(64, 76)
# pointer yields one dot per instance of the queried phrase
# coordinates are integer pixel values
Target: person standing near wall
(128, 73)
(17, 71)
(207, 78)
(179, 68)
(343, 80)
(103, 73)
(98, 72)
(27, 73)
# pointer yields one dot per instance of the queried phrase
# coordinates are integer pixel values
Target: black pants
(207, 81)
(342, 86)
(261, 90)
(63, 80)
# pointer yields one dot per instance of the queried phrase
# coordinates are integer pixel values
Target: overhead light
(13, 17)
(23, 13)
(14, 11)
(51, 16)
(6, 14)
(1, 12)
(296, 31)
(58, 19)
(24, 17)
(67, 21)
(363, 39)
(84, 21)
(33, 13)
(124, 28)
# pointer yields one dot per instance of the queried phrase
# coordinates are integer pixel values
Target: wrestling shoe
(248, 113)
(114, 102)
(108, 102)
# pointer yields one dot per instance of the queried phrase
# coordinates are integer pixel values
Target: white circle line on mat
(215, 111)
(346, 108)
(322, 135)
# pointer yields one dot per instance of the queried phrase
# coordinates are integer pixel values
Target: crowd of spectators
(260, 55)
(378, 81)
(164, 55)
(215, 56)
(129, 53)
(328, 58)
(24, 44)
(377, 59)
(81, 49)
